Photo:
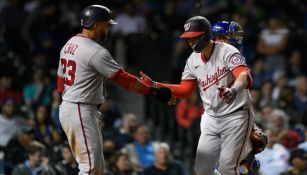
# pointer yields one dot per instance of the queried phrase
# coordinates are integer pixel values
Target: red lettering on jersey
(214, 79)
(70, 48)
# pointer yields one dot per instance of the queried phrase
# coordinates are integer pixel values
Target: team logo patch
(237, 60)
(187, 26)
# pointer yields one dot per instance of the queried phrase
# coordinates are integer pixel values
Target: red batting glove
(228, 95)
(146, 80)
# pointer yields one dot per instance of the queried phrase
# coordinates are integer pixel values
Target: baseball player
(224, 80)
(228, 32)
(83, 67)
(232, 33)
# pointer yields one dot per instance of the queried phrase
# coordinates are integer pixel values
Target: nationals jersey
(214, 73)
(84, 64)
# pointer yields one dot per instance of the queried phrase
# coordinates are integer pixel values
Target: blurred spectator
(6, 90)
(141, 152)
(295, 66)
(281, 80)
(187, 111)
(37, 92)
(274, 158)
(129, 21)
(15, 151)
(55, 104)
(36, 162)
(278, 122)
(272, 42)
(119, 165)
(290, 139)
(125, 133)
(300, 97)
(44, 131)
(129, 24)
(9, 122)
(108, 147)
(266, 94)
(163, 164)
(298, 160)
(264, 117)
(304, 144)
(259, 74)
(68, 166)
(12, 16)
(188, 114)
(256, 95)
(111, 114)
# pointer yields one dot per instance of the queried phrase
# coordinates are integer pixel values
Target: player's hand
(172, 101)
(162, 94)
(228, 95)
(146, 80)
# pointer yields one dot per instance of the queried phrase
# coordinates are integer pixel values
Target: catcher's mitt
(259, 140)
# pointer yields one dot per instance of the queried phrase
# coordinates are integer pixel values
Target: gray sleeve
(187, 74)
(103, 62)
(234, 58)
(60, 69)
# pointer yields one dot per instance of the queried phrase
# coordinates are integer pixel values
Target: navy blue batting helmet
(198, 26)
(95, 13)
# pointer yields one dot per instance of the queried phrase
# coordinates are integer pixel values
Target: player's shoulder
(226, 48)
(193, 58)
(87, 43)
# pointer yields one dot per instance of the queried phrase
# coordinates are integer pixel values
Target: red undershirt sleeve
(242, 68)
(130, 82)
(60, 84)
(182, 90)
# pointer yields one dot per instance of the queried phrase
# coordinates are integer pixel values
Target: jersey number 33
(69, 70)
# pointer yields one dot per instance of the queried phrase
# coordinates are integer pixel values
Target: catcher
(232, 33)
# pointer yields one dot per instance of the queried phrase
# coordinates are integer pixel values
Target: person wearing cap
(298, 160)
(84, 66)
(14, 152)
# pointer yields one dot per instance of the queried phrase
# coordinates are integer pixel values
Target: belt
(239, 109)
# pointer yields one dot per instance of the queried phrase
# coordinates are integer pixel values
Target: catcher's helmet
(198, 26)
(94, 13)
(232, 30)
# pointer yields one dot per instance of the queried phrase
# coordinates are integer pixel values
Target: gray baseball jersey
(84, 64)
(216, 73)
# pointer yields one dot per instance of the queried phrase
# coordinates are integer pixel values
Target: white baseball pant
(225, 141)
(81, 123)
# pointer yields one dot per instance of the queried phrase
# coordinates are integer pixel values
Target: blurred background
(32, 32)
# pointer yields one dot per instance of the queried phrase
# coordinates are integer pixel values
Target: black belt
(237, 110)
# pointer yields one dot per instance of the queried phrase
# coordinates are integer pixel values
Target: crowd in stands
(32, 33)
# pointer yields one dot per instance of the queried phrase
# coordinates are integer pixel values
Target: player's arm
(60, 81)
(182, 90)
(242, 76)
(130, 82)
(103, 62)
